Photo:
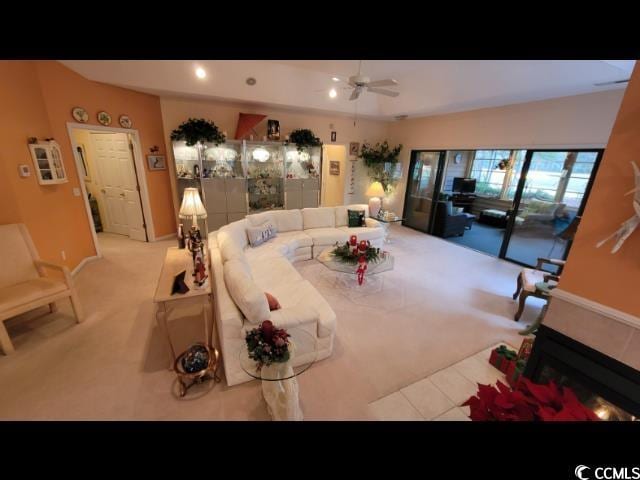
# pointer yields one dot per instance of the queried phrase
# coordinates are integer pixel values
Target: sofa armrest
(292, 317)
(372, 223)
(42, 264)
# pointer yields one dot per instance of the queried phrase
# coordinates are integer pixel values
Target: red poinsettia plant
(527, 402)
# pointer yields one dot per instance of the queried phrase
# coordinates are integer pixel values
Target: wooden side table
(175, 261)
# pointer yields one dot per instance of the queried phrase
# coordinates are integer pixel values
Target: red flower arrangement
(528, 402)
(267, 344)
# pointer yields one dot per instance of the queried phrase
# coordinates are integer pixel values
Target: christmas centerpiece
(357, 253)
(267, 344)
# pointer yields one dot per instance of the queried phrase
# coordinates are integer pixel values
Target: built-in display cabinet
(240, 177)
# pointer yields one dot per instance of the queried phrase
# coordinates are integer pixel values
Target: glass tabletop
(388, 219)
(384, 264)
(304, 353)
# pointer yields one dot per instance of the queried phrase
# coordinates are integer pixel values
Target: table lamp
(376, 192)
(193, 208)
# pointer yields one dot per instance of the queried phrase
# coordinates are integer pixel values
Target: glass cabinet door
(223, 161)
(188, 167)
(265, 170)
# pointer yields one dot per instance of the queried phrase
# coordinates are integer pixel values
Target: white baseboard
(81, 265)
(166, 237)
(596, 307)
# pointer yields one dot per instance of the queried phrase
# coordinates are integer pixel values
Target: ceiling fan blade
(389, 82)
(355, 94)
(382, 91)
(615, 82)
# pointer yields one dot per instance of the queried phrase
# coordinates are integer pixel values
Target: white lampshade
(192, 206)
(375, 190)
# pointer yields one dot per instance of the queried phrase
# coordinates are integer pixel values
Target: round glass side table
(279, 380)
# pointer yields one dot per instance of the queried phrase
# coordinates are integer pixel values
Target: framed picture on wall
(334, 167)
(156, 162)
(354, 148)
(273, 129)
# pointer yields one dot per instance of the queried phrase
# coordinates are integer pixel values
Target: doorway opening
(518, 204)
(112, 180)
(334, 171)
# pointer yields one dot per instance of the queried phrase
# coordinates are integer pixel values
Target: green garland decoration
(304, 138)
(197, 130)
(344, 254)
(380, 160)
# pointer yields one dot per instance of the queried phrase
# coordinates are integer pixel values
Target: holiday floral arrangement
(353, 252)
(527, 402)
(267, 344)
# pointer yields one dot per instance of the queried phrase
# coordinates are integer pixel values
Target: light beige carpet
(439, 305)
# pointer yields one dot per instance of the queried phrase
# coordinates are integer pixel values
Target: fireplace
(608, 387)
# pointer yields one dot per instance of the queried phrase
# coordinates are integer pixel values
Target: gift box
(525, 349)
(514, 373)
(508, 361)
(501, 356)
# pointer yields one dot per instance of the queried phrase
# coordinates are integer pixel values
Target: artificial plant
(197, 130)
(304, 138)
(381, 159)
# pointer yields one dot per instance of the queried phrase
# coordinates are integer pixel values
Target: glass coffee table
(346, 277)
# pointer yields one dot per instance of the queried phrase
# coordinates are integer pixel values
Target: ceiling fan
(361, 83)
(614, 82)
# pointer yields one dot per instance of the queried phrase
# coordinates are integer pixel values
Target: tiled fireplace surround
(611, 332)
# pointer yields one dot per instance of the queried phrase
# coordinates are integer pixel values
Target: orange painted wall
(37, 98)
(595, 273)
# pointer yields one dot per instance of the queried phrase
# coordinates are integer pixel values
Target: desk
(175, 261)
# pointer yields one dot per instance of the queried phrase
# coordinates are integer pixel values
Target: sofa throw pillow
(356, 218)
(259, 235)
(274, 304)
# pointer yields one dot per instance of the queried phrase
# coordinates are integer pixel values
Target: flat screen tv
(464, 185)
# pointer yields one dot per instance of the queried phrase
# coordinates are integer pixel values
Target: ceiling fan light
(335, 79)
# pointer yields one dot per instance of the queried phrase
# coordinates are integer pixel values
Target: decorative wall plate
(125, 121)
(80, 114)
(104, 118)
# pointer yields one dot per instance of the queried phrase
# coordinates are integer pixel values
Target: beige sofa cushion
(29, 291)
(364, 233)
(17, 262)
(324, 217)
(288, 220)
(228, 247)
(257, 219)
(327, 236)
(246, 294)
(342, 217)
(237, 231)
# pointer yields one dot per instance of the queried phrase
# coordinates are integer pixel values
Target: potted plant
(304, 138)
(198, 130)
(381, 159)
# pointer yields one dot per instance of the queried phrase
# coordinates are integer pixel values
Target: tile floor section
(439, 396)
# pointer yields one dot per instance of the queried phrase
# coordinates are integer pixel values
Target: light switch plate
(77, 192)
(24, 170)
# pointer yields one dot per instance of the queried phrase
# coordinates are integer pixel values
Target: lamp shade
(192, 205)
(375, 190)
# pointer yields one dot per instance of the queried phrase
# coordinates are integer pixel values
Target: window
(486, 170)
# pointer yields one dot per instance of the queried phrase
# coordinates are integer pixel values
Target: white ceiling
(426, 87)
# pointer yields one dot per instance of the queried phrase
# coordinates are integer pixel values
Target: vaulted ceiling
(426, 87)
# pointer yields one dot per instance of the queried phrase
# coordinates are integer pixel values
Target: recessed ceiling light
(335, 79)
(200, 73)
(333, 93)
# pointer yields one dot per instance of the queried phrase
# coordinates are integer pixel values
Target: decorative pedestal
(282, 396)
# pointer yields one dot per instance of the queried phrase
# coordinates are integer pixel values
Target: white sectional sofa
(241, 274)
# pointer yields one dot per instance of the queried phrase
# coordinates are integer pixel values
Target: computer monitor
(464, 185)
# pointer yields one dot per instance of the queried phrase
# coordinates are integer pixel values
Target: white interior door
(119, 186)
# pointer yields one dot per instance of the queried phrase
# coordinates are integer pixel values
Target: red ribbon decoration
(362, 267)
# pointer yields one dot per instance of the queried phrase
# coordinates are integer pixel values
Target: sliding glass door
(423, 188)
(548, 203)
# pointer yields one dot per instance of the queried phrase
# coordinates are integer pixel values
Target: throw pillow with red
(273, 302)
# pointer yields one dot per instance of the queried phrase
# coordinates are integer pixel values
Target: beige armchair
(24, 284)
